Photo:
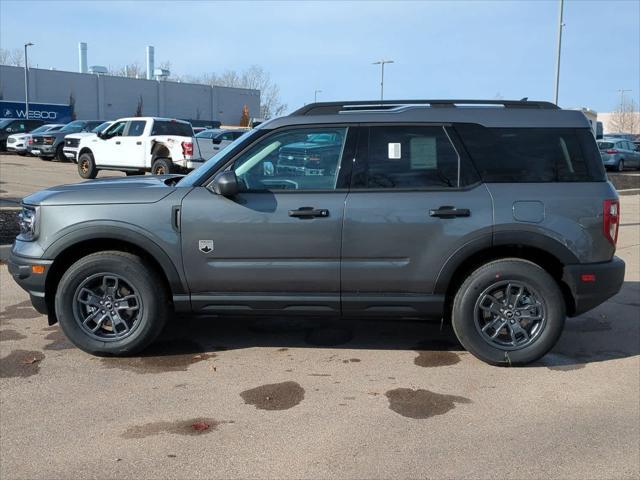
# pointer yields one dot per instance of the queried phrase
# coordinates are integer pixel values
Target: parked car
(9, 126)
(50, 145)
(618, 153)
(500, 220)
(140, 144)
(213, 140)
(314, 154)
(19, 142)
(72, 141)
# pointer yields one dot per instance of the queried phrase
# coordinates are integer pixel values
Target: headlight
(27, 219)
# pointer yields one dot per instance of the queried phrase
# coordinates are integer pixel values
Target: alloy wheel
(107, 307)
(509, 315)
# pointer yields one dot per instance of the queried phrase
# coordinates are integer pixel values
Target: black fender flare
(506, 237)
(126, 232)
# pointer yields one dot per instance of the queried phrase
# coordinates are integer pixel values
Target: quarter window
(293, 160)
(408, 157)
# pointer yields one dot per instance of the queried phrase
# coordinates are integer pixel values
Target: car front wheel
(509, 312)
(87, 166)
(620, 166)
(109, 303)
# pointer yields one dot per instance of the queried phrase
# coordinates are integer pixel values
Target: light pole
(315, 95)
(26, 80)
(622, 92)
(382, 63)
(560, 25)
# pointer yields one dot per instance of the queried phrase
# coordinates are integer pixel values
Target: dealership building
(99, 96)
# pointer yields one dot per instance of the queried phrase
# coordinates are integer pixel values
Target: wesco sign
(49, 112)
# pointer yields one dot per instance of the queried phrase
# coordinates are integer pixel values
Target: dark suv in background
(50, 145)
(10, 126)
(494, 215)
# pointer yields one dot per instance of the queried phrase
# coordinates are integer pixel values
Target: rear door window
(407, 157)
(168, 127)
(532, 154)
(136, 128)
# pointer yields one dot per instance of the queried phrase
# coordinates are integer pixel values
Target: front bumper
(70, 153)
(21, 269)
(16, 147)
(593, 283)
(43, 150)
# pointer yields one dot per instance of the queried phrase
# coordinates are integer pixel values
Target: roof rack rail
(332, 108)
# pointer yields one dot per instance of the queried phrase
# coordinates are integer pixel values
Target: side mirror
(216, 141)
(226, 184)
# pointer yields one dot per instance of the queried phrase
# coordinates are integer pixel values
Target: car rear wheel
(162, 166)
(509, 312)
(87, 166)
(109, 303)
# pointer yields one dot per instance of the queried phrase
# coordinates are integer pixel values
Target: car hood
(19, 136)
(80, 135)
(131, 190)
(57, 135)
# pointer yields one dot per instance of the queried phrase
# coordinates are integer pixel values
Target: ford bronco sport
(495, 215)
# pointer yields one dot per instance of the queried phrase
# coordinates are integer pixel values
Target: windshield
(41, 129)
(101, 127)
(73, 126)
(605, 145)
(196, 175)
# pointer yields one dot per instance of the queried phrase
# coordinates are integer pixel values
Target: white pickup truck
(140, 144)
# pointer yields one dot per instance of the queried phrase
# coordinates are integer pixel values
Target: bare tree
(130, 70)
(255, 77)
(624, 119)
(13, 57)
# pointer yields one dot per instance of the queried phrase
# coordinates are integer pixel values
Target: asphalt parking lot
(296, 398)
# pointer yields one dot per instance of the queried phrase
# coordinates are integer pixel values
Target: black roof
(490, 113)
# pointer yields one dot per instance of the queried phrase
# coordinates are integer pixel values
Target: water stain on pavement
(6, 335)
(436, 353)
(275, 396)
(168, 356)
(58, 341)
(191, 427)
(328, 336)
(421, 403)
(21, 363)
(431, 358)
(22, 310)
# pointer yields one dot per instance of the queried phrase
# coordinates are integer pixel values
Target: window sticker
(395, 152)
(423, 153)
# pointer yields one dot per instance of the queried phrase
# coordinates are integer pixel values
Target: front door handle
(138, 143)
(309, 212)
(449, 212)
(118, 142)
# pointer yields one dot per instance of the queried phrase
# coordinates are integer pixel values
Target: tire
(74, 305)
(60, 156)
(470, 313)
(620, 166)
(87, 166)
(162, 166)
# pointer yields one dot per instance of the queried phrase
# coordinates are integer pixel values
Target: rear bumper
(21, 271)
(593, 283)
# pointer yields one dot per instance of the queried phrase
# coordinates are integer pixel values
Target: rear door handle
(118, 142)
(138, 143)
(309, 212)
(449, 212)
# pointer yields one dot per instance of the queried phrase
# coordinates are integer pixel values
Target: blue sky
(441, 49)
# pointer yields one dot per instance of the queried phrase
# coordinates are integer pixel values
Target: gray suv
(494, 215)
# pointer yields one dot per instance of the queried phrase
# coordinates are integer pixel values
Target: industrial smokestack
(150, 62)
(82, 57)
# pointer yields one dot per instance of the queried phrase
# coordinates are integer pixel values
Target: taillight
(612, 150)
(611, 220)
(187, 148)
